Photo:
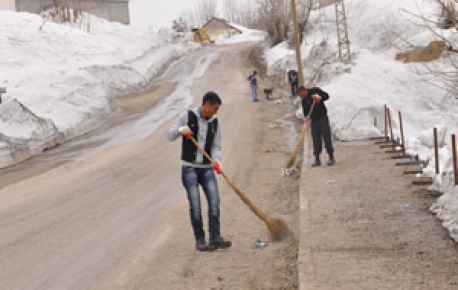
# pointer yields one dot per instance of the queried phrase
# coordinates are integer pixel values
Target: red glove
(189, 135)
(217, 167)
(316, 98)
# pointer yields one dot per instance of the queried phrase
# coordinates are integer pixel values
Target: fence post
(455, 173)
(436, 150)
(386, 123)
(402, 133)
(391, 129)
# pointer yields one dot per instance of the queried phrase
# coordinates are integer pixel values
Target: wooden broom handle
(304, 127)
(201, 149)
(237, 190)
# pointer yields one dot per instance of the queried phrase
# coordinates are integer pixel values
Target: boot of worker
(317, 161)
(331, 159)
(219, 243)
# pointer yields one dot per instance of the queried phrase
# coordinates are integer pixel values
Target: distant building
(8, 5)
(217, 26)
(112, 10)
(322, 3)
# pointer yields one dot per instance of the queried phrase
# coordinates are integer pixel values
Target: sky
(64, 89)
(157, 14)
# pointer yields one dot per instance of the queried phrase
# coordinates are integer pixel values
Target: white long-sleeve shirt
(173, 134)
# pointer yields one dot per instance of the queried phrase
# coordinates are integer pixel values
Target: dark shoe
(317, 162)
(219, 243)
(331, 161)
(201, 245)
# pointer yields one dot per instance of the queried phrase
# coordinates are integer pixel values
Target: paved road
(84, 213)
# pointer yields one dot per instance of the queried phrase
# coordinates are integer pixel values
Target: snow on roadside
(446, 207)
(24, 134)
(64, 80)
(247, 35)
(359, 90)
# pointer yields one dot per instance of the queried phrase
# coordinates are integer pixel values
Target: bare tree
(200, 13)
(274, 16)
(446, 20)
(179, 25)
(448, 13)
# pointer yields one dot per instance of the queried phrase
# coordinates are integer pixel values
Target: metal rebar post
(386, 123)
(436, 150)
(402, 133)
(455, 173)
(391, 130)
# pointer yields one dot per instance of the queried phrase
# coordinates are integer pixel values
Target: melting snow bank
(24, 133)
(378, 30)
(62, 82)
(446, 207)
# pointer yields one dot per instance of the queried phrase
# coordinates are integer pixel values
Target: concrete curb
(304, 263)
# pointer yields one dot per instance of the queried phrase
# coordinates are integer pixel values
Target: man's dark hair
(255, 72)
(301, 88)
(211, 97)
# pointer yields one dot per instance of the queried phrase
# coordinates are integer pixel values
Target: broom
(277, 227)
(292, 158)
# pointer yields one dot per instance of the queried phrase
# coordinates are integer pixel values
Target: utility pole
(297, 43)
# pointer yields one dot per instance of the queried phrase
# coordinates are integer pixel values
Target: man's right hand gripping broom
(185, 131)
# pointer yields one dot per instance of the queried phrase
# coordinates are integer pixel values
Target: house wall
(32, 6)
(324, 3)
(217, 28)
(113, 10)
(7, 5)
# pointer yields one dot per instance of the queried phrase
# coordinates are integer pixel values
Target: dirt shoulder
(365, 226)
(254, 152)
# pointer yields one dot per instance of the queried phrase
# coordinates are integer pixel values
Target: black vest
(189, 149)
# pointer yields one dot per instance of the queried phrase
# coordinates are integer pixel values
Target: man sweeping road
(197, 169)
(321, 131)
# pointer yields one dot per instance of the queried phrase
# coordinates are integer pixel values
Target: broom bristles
(292, 159)
(277, 228)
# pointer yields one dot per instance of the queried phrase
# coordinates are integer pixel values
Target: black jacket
(253, 80)
(320, 109)
(293, 76)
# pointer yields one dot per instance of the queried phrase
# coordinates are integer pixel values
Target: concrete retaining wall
(113, 10)
(8, 5)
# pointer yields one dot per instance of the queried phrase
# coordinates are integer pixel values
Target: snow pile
(247, 35)
(378, 30)
(61, 81)
(23, 132)
(446, 207)
(277, 58)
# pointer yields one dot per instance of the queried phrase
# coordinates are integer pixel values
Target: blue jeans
(254, 93)
(191, 178)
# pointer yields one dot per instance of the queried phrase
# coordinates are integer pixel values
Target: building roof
(223, 21)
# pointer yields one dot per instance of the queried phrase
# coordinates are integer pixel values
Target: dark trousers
(294, 86)
(321, 131)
